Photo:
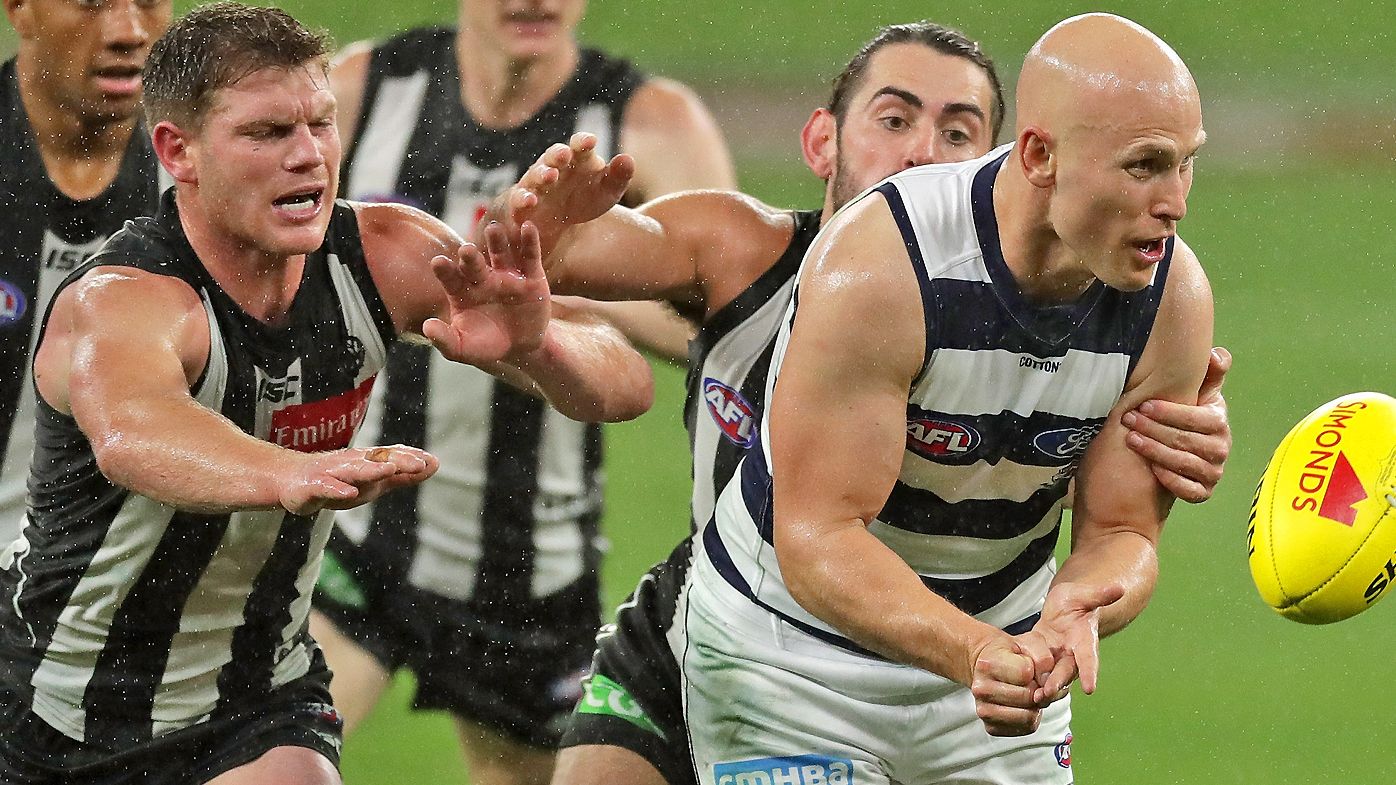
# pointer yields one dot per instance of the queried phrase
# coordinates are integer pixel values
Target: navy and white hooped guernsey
(1009, 397)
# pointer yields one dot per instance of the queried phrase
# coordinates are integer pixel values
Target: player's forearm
(853, 582)
(588, 372)
(1123, 557)
(192, 460)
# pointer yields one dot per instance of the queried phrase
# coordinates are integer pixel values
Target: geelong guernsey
(1010, 396)
(46, 236)
(512, 516)
(122, 618)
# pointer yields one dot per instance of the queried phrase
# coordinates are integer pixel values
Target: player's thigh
(601, 764)
(751, 721)
(360, 679)
(283, 766)
(494, 758)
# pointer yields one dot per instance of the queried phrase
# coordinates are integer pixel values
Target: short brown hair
(940, 38)
(215, 46)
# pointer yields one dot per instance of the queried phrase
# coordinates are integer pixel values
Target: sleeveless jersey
(122, 618)
(1009, 397)
(727, 363)
(513, 514)
(47, 236)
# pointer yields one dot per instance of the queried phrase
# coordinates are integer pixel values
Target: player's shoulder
(1187, 286)
(389, 230)
(667, 105)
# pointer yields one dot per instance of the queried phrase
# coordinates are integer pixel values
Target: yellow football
(1322, 534)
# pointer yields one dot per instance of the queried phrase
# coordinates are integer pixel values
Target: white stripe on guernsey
(358, 318)
(980, 480)
(991, 381)
(729, 361)
(383, 144)
(559, 503)
(595, 118)
(61, 680)
(449, 504)
(952, 557)
(970, 268)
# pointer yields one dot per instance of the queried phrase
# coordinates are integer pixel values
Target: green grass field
(1208, 687)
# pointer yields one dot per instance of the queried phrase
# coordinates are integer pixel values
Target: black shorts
(517, 672)
(297, 715)
(633, 697)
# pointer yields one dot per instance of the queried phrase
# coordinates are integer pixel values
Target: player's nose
(125, 25)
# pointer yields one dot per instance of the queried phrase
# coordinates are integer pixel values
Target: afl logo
(1063, 752)
(1065, 442)
(732, 413)
(940, 438)
(12, 303)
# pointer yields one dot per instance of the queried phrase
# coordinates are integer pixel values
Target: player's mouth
(118, 81)
(532, 24)
(1151, 251)
(299, 206)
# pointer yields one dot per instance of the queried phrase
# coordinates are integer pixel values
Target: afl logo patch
(1065, 442)
(12, 303)
(940, 438)
(732, 413)
(1063, 752)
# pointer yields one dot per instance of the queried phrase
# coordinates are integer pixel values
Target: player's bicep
(838, 410)
(136, 343)
(399, 243)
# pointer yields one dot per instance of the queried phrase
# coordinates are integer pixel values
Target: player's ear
(819, 143)
(1035, 151)
(20, 13)
(171, 145)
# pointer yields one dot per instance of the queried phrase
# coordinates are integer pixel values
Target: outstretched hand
(347, 478)
(1186, 446)
(498, 299)
(569, 184)
(1070, 630)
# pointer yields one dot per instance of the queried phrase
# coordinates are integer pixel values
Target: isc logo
(940, 438)
(790, 770)
(732, 413)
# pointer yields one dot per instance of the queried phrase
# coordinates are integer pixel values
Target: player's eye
(895, 123)
(957, 137)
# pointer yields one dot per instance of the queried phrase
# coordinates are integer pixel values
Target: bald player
(877, 598)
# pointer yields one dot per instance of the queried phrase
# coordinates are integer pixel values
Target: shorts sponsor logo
(940, 438)
(733, 414)
(12, 303)
(603, 696)
(1063, 752)
(789, 770)
(1065, 442)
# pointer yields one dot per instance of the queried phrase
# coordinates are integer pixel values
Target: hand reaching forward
(569, 184)
(498, 300)
(1186, 446)
(350, 477)
(1070, 631)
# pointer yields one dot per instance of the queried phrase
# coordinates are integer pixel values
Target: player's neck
(502, 92)
(82, 155)
(1043, 267)
(261, 282)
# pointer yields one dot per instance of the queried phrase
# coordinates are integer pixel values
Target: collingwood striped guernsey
(1010, 396)
(727, 365)
(121, 618)
(513, 514)
(47, 235)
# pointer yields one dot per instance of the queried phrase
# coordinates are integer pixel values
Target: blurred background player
(917, 93)
(484, 581)
(76, 165)
(199, 382)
